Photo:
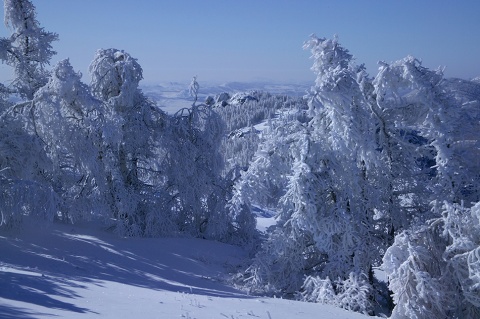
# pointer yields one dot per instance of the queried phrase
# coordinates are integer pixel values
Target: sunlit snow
(82, 271)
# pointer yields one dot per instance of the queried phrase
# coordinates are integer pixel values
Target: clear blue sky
(244, 40)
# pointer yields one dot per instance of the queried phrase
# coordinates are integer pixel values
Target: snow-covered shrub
(279, 266)
(353, 293)
(165, 171)
(316, 289)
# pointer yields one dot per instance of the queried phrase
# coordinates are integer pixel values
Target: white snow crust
(82, 271)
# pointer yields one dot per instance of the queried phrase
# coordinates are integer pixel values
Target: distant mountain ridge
(172, 96)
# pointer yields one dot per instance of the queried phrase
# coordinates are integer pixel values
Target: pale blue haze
(221, 40)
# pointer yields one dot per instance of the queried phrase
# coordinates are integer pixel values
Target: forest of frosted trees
(363, 172)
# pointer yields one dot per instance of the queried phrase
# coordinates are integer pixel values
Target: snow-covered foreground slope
(77, 271)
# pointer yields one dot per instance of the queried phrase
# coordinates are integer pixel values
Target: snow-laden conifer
(325, 227)
(412, 97)
(434, 269)
(29, 48)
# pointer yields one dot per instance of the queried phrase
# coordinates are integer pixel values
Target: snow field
(83, 271)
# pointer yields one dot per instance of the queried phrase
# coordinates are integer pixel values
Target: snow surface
(265, 218)
(83, 271)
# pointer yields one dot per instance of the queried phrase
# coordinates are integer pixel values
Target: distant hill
(172, 96)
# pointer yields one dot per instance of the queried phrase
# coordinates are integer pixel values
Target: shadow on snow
(38, 265)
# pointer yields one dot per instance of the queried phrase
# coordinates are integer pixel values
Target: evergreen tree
(28, 50)
(419, 116)
(326, 224)
(433, 269)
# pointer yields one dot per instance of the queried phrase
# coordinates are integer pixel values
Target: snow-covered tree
(4, 97)
(193, 89)
(115, 78)
(193, 171)
(67, 119)
(25, 171)
(414, 268)
(432, 264)
(428, 141)
(28, 50)
(407, 156)
(129, 148)
(166, 171)
(434, 269)
(240, 119)
(346, 162)
(461, 227)
(326, 227)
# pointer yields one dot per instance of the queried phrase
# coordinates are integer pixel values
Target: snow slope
(82, 271)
